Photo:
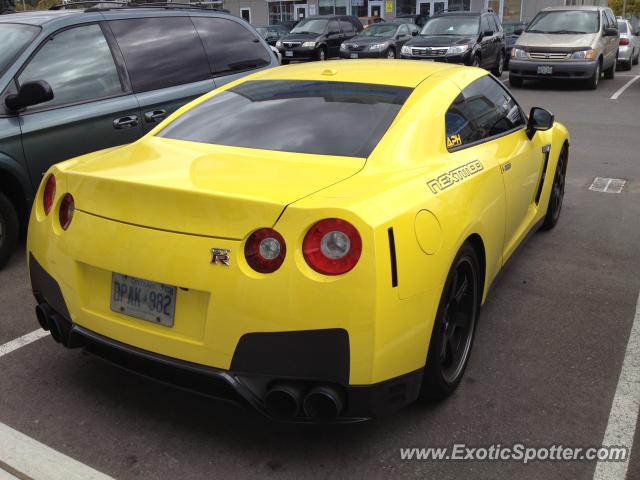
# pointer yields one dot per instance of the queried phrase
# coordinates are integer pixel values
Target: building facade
(263, 12)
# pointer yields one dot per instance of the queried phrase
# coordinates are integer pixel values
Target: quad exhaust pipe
(286, 400)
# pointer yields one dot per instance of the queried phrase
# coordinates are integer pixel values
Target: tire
(284, 62)
(516, 81)
(627, 65)
(498, 68)
(476, 61)
(322, 54)
(554, 208)
(636, 58)
(610, 73)
(391, 53)
(593, 82)
(9, 229)
(459, 309)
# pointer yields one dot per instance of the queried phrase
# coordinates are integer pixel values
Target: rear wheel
(454, 327)
(515, 81)
(9, 229)
(557, 192)
(499, 66)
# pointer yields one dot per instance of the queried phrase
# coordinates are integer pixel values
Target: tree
(632, 7)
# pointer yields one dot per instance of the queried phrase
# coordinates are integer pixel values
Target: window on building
(245, 13)
(459, 5)
(511, 11)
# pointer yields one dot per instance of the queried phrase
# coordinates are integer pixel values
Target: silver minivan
(570, 43)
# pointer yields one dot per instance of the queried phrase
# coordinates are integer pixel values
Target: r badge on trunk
(221, 256)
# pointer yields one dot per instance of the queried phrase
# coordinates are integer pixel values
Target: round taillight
(265, 250)
(49, 194)
(332, 246)
(67, 207)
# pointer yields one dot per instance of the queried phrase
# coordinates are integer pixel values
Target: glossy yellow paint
(154, 210)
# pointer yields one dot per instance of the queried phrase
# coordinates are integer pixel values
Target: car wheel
(593, 82)
(9, 229)
(515, 81)
(635, 60)
(476, 61)
(610, 73)
(284, 62)
(499, 66)
(391, 53)
(454, 327)
(557, 192)
(322, 54)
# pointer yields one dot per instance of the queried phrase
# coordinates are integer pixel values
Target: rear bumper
(307, 358)
(625, 53)
(528, 69)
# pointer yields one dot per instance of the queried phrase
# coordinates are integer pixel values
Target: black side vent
(394, 264)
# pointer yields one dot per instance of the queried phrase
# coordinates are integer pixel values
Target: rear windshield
(324, 118)
(13, 40)
(622, 26)
(565, 22)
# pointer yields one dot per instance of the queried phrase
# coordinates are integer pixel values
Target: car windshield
(379, 31)
(13, 40)
(565, 22)
(510, 28)
(622, 26)
(316, 117)
(451, 25)
(314, 25)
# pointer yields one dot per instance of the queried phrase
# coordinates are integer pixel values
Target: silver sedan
(629, 48)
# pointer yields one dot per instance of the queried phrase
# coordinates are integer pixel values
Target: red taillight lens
(332, 246)
(624, 41)
(265, 250)
(49, 194)
(67, 207)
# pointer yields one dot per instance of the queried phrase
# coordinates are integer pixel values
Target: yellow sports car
(315, 240)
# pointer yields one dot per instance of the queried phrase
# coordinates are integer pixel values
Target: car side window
(605, 21)
(484, 24)
(612, 19)
(483, 110)
(403, 31)
(78, 64)
(161, 52)
(496, 20)
(492, 23)
(347, 27)
(230, 46)
(333, 27)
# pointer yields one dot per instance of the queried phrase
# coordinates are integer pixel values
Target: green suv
(73, 81)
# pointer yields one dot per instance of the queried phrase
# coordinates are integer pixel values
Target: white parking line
(22, 341)
(33, 460)
(624, 411)
(624, 87)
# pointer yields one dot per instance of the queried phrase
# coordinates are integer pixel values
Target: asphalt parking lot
(543, 371)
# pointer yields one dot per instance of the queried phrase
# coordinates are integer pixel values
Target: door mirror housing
(30, 93)
(539, 119)
(414, 33)
(518, 31)
(610, 32)
(487, 33)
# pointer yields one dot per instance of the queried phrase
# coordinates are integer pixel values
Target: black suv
(461, 37)
(318, 38)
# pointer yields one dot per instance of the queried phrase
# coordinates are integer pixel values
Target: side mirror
(30, 93)
(539, 119)
(610, 32)
(487, 33)
(414, 33)
(518, 31)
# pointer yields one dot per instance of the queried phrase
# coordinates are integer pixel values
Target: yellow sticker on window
(454, 141)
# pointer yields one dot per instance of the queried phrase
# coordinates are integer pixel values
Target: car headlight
(279, 44)
(343, 46)
(518, 53)
(309, 44)
(378, 46)
(457, 49)
(406, 50)
(584, 55)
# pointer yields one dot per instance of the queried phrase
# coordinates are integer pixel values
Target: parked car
(512, 32)
(383, 40)
(460, 37)
(567, 43)
(272, 33)
(318, 38)
(419, 20)
(76, 81)
(241, 248)
(289, 24)
(366, 21)
(629, 46)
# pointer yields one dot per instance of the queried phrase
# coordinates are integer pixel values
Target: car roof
(459, 14)
(38, 18)
(401, 73)
(590, 8)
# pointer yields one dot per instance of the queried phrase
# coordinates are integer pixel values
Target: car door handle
(123, 123)
(155, 116)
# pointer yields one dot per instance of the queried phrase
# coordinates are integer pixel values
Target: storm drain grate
(607, 185)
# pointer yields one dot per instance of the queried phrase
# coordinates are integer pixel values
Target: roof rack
(97, 5)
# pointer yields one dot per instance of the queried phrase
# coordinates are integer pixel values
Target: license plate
(288, 53)
(545, 70)
(354, 55)
(150, 301)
